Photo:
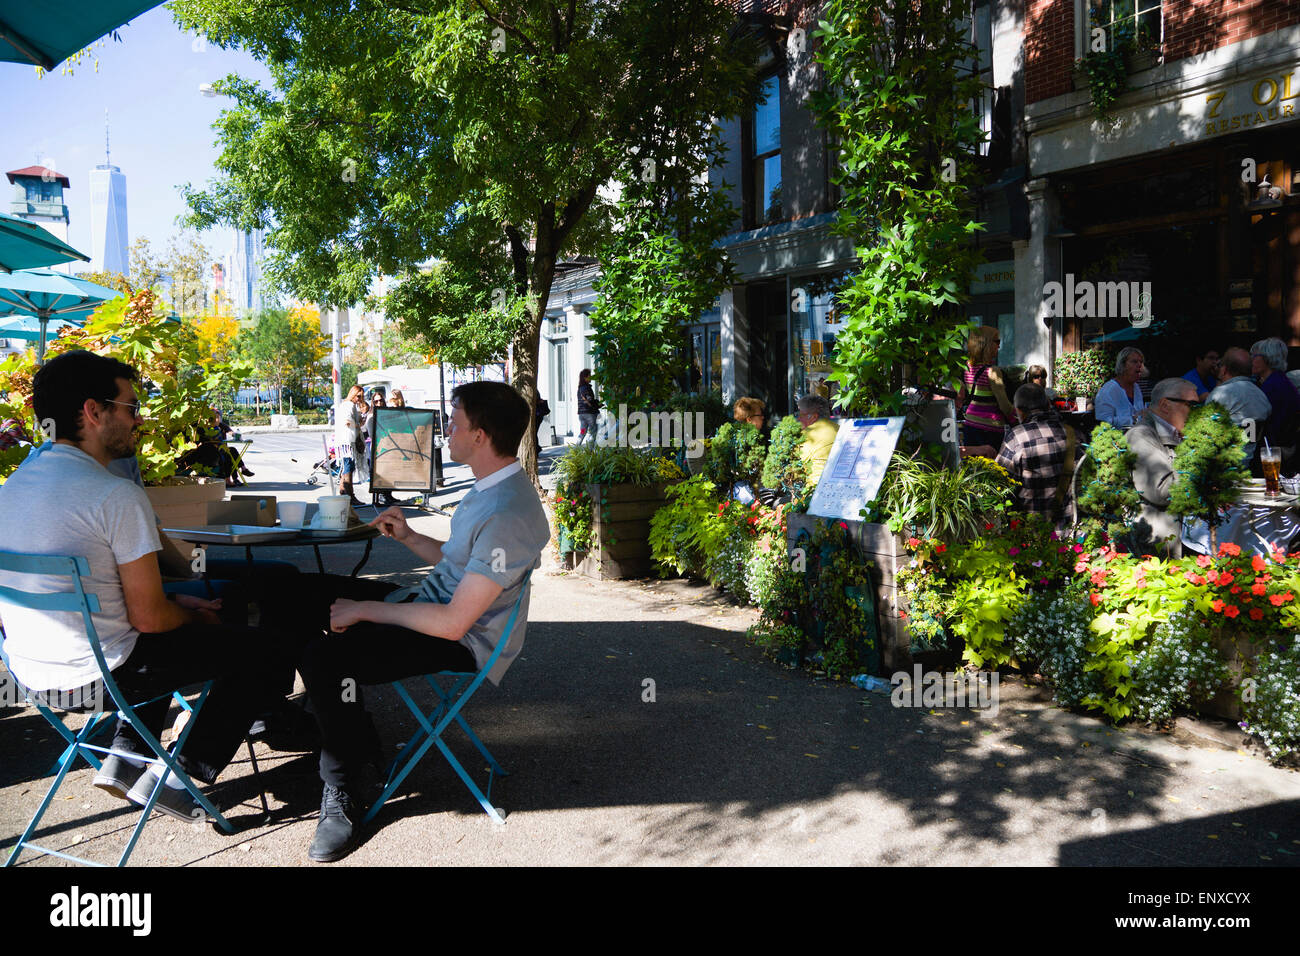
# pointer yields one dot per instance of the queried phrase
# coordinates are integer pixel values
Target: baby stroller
(327, 467)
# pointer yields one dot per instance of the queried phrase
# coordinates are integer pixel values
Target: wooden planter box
(885, 553)
(185, 506)
(1237, 652)
(620, 532)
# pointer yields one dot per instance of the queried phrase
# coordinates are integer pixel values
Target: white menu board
(856, 467)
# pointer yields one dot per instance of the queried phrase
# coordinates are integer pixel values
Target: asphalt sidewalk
(639, 728)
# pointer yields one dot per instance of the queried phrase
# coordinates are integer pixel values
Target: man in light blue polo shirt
(455, 620)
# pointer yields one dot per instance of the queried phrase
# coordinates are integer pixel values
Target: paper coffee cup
(334, 511)
(292, 513)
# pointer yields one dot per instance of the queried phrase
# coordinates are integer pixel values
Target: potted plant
(1105, 71)
(1080, 375)
(176, 391)
(604, 500)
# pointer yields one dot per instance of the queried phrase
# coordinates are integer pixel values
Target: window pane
(767, 118)
(771, 197)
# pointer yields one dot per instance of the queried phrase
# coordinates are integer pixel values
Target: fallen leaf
(1001, 764)
(1238, 824)
(763, 727)
(814, 756)
(965, 723)
(770, 697)
(1176, 800)
(1130, 793)
(1211, 836)
(1263, 857)
(853, 746)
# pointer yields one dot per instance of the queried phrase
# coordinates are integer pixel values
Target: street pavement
(640, 728)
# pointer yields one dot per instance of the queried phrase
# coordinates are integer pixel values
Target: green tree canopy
(284, 350)
(478, 133)
(897, 104)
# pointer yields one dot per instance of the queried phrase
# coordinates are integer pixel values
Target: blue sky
(160, 125)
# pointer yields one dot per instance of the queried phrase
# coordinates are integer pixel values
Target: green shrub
(953, 505)
(685, 531)
(783, 468)
(716, 413)
(736, 454)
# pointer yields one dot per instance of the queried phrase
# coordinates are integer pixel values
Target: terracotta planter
(620, 533)
(185, 506)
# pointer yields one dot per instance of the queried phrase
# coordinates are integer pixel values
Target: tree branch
(496, 18)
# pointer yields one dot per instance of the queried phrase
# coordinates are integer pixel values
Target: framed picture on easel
(403, 454)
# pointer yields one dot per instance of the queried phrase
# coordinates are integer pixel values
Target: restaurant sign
(1254, 102)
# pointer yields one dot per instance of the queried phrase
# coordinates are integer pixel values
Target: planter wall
(885, 553)
(185, 506)
(620, 533)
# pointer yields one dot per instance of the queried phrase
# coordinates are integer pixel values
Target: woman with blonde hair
(986, 410)
(397, 401)
(750, 410)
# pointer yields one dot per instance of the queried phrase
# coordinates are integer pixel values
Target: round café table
(307, 537)
(1258, 524)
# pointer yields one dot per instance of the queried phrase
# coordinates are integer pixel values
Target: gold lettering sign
(1227, 109)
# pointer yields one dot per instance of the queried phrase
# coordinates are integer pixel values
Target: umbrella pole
(40, 343)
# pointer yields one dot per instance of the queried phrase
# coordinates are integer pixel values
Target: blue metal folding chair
(94, 725)
(451, 700)
(87, 604)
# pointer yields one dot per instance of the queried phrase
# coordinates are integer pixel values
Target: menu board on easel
(403, 452)
(856, 467)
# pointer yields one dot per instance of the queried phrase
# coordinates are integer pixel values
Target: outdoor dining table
(1258, 524)
(236, 537)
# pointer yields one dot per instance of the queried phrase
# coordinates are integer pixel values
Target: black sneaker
(337, 831)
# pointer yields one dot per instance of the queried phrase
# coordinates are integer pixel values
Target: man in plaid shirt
(1039, 453)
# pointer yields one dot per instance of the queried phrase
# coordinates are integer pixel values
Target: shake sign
(1252, 103)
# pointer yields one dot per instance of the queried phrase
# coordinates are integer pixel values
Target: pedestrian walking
(588, 407)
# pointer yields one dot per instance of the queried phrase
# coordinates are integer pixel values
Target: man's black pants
(246, 666)
(336, 666)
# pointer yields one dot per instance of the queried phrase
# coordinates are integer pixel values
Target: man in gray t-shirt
(71, 505)
(1244, 400)
(454, 622)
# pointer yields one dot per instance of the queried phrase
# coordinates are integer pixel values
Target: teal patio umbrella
(27, 245)
(44, 295)
(45, 34)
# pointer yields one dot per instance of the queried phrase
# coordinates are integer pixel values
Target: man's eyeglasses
(1190, 403)
(137, 410)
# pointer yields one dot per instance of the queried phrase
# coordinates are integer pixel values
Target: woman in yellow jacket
(818, 434)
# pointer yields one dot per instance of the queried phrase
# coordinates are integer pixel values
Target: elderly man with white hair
(1154, 442)
(1268, 359)
(1119, 401)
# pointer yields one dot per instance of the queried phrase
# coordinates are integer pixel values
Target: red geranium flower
(844, 525)
(1276, 600)
(1258, 587)
(1217, 604)
(1231, 611)
(913, 543)
(1081, 567)
(1225, 578)
(1228, 548)
(1212, 576)
(1193, 577)
(1098, 577)
(1258, 563)
(1235, 589)
(1256, 614)
(1095, 598)
(940, 548)
(1279, 556)
(1203, 561)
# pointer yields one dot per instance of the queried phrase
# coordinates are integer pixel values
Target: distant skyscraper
(108, 235)
(243, 272)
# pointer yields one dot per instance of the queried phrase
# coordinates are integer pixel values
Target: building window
(765, 166)
(1122, 20)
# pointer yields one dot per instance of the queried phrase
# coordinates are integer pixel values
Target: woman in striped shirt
(988, 412)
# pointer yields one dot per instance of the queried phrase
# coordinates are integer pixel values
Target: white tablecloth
(1258, 530)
